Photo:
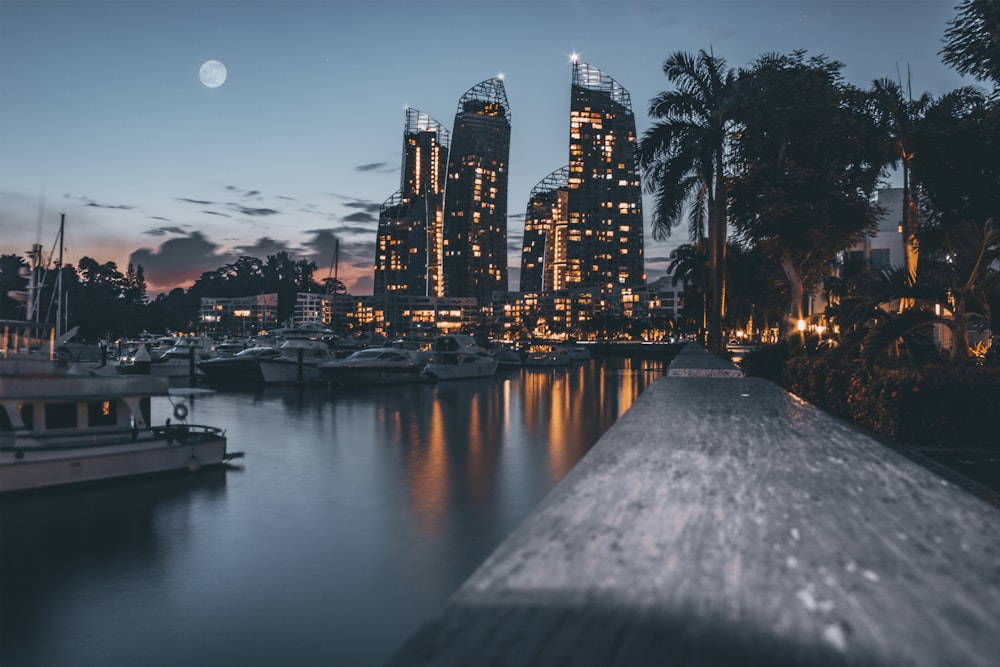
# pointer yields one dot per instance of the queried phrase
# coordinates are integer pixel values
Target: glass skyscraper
(475, 208)
(543, 257)
(604, 235)
(410, 241)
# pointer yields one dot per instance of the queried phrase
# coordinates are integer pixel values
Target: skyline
(105, 117)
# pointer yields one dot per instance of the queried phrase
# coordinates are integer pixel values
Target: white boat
(182, 359)
(375, 366)
(459, 356)
(298, 362)
(58, 429)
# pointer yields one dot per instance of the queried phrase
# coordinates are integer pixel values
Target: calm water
(354, 515)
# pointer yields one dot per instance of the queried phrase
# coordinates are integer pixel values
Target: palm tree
(898, 118)
(687, 266)
(683, 159)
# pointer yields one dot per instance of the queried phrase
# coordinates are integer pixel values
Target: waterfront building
(475, 210)
(238, 315)
(400, 315)
(410, 240)
(543, 256)
(604, 230)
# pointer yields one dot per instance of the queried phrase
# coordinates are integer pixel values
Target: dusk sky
(103, 116)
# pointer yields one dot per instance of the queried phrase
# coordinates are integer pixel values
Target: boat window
(27, 411)
(102, 413)
(60, 415)
(5, 424)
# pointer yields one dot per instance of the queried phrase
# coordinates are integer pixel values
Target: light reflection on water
(354, 516)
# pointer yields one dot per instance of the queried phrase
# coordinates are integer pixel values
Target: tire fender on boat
(193, 464)
(180, 411)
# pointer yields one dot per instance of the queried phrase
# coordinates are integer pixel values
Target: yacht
(459, 356)
(297, 362)
(547, 356)
(375, 366)
(242, 367)
(182, 359)
(57, 428)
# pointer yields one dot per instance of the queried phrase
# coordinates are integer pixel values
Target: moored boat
(459, 356)
(58, 429)
(298, 362)
(242, 367)
(375, 366)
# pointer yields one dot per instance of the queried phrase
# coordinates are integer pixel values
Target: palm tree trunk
(795, 300)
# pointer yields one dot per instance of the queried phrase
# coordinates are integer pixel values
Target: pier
(723, 521)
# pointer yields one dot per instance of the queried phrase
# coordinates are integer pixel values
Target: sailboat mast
(60, 328)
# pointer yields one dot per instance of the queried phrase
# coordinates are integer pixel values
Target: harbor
(353, 516)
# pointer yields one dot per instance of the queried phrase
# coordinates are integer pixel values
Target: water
(354, 516)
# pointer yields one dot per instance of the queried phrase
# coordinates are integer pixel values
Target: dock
(724, 521)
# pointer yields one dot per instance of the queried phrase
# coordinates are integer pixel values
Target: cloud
(265, 246)
(179, 261)
(87, 201)
(360, 216)
(372, 166)
(224, 215)
(199, 202)
(362, 285)
(252, 211)
(163, 231)
(363, 204)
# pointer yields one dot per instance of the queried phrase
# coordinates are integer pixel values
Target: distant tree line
(103, 301)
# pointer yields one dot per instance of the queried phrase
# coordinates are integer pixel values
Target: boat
(58, 429)
(242, 367)
(459, 356)
(541, 355)
(375, 366)
(508, 356)
(182, 359)
(576, 351)
(297, 362)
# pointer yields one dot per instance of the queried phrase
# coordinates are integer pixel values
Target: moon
(212, 73)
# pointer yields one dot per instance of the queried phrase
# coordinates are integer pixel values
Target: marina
(354, 515)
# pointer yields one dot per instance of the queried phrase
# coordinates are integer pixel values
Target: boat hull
(286, 371)
(354, 377)
(22, 469)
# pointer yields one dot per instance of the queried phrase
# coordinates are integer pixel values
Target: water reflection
(356, 514)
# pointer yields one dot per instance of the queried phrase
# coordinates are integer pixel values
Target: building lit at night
(604, 236)
(410, 241)
(475, 209)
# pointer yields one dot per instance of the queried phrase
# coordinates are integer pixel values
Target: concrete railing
(723, 521)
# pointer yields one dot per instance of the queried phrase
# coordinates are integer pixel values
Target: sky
(103, 116)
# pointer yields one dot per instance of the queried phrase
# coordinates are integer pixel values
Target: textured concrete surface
(722, 521)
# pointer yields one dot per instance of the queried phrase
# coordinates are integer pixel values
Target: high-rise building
(604, 231)
(475, 218)
(543, 257)
(410, 240)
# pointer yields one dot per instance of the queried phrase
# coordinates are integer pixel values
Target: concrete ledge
(722, 521)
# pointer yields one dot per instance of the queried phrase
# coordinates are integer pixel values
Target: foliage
(972, 45)
(808, 159)
(941, 405)
(683, 158)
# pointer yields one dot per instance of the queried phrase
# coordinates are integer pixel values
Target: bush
(940, 405)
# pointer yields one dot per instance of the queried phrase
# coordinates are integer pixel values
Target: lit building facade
(604, 231)
(410, 240)
(543, 257)
(475, 211)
